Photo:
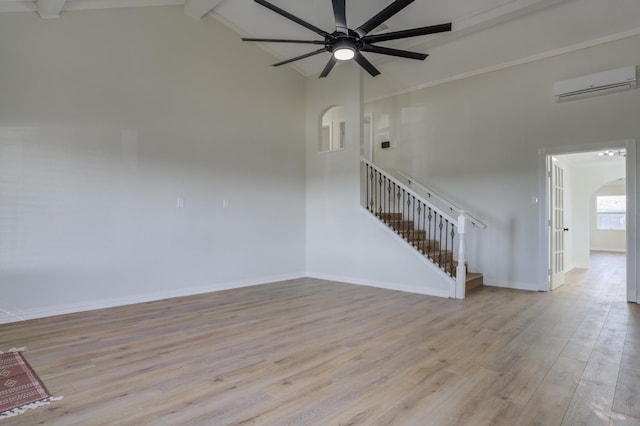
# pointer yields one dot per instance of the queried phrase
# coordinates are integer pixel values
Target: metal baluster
(368, 188)
(446, 241)
(373, 192)
(406, 225)
(380, 201)
(389, 197)
(393, 201)
(429, 233)
(424, 225)
(383, 183)
(413, 209)
(374, 174)
(419, 243)
(440, 241)
(370, 194)
(453, 233)
(402, 217)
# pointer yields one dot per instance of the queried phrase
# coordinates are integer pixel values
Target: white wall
(477, 141)
(107, 119)
(606, 239)
(344, 241)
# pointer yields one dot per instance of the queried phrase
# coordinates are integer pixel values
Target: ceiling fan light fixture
(344, 53)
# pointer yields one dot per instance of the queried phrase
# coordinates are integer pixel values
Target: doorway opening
(589, 205)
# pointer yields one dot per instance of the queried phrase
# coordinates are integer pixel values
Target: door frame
(633, 294)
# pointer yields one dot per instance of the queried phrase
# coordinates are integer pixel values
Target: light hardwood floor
(322, 353)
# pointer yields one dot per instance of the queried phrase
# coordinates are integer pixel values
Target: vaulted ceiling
(487, 34)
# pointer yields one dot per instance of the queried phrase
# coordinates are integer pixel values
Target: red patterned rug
(20, 387)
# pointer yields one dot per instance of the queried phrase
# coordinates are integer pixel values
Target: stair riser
(442, 259)
(401, 225)
(474, 284)
(427, 246)
(416, 236)
(430, 248)
(389, 216)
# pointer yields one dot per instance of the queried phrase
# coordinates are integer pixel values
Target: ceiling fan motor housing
(338, 40)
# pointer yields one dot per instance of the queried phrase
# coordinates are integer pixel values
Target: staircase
(436, 234)
(430, 248)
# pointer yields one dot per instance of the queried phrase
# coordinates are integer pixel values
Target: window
(611, 212)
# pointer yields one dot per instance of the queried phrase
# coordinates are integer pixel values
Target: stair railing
(436, 198)
(437, 234)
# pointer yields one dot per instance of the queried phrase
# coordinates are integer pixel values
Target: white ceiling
(255, 20)
(487, 34)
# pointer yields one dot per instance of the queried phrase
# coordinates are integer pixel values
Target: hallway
(605, 344)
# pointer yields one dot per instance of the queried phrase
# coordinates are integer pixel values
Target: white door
(557, 228)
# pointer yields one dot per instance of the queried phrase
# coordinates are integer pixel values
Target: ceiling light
(344, 53)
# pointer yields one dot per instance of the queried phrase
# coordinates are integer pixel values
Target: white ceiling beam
(506, 12)
(117, 4)
(198, 8)
(498, 15)
(50, 8)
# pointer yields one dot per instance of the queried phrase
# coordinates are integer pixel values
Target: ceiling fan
(345, 43)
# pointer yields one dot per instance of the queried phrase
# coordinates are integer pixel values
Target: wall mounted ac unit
(601, 83)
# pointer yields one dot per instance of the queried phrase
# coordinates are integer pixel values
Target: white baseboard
(581, 266)
(381, 284)
(609, 250)
(7, 316)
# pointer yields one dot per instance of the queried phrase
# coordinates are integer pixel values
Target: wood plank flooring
(312, 352)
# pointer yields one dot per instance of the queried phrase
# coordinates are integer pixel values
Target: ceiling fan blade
(297, 58)
(414, 32)
(340, 15)
(382, 16)
(364, 63)
(327, 69)
(281, 40)
(394, 52)
(289, 16)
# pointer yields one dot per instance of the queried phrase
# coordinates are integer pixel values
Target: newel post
(461, 271)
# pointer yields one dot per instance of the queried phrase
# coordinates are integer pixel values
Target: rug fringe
(22, 349)
(19, 410)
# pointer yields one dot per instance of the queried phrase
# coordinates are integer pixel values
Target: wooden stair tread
(430, 248)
